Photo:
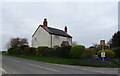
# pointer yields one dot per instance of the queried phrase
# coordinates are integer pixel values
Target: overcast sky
(87, 22)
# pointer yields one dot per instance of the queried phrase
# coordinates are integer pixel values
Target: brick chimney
(45, 22)
(65, 29)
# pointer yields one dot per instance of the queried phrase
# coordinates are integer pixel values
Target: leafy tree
(115, 41)
(16, 42)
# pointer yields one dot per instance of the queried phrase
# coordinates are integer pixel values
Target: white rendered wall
(43, 38)
(60, 40)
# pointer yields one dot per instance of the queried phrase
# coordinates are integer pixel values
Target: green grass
(110, 64)
(0, 52)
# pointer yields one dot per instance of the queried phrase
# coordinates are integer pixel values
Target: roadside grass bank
(114, 63)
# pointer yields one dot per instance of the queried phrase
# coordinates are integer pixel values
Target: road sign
(102, 54)
(102, 42)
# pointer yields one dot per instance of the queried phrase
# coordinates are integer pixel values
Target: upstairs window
(35, 39)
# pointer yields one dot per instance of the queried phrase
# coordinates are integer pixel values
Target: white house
(48, 36)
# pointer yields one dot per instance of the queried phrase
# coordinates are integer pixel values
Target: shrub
(14, 50)
(108, 53)
(77, 51)
(10, 50)
(117, 52)
(41, 50)
(49, 52)
(63, 51)
(30, 51)
(3, 51)
(56, 52)
(23, 47)
(90, 52)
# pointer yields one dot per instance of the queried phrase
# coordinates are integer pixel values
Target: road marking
(78, 68)
(3, 70)
(43, 67)
(14, 60)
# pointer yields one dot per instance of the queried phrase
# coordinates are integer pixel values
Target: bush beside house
(77, 51)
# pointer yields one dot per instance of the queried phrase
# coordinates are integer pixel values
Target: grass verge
(109, 64)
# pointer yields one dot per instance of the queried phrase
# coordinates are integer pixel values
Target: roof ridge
(55, 31)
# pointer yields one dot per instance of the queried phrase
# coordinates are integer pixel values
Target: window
(56, 37)
(35, 39)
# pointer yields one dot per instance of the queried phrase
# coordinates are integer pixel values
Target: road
(13, 65)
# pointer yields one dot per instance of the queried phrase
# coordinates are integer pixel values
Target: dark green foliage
(23, 47)
(115, 41)
(3, 51)
(30, 51)
(116, 51)
(41, 50)
(14, 50)
(10, 50)
(77, 51)
(63, 51)
(17, 50)
(22, 52)
(45, 51)
(50, 52)
(90, 52)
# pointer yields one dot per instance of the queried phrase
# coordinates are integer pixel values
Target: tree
(115, 41)
(15, 42)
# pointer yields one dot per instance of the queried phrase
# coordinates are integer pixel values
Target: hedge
(63, 51)
(41, 50)
(30, 51)
(14, 50)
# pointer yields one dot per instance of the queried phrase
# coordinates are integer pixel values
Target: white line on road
(43, 67)
(3, 70)
(14, 60)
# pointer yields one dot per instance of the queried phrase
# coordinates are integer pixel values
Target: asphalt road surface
(13, 65)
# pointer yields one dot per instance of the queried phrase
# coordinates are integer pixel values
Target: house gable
(41, 38)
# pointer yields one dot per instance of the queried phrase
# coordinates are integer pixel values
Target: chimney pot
(65, 29)
(45, 22)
